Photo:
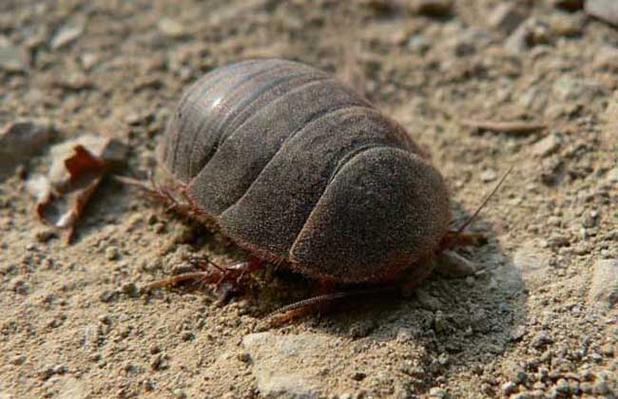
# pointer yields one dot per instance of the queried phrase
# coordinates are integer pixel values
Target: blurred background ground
(538, 321)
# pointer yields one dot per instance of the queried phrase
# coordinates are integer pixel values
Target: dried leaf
(77, 169)
(111, 152)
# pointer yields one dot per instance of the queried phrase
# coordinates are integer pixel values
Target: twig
(505, 127)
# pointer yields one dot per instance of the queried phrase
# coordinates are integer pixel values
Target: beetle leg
(316, 304)
(174, 280)
(225, 280)
(462, 239)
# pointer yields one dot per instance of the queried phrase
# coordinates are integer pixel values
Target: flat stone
(21, 140)
(547, 145)
(66, 35)
(603, 292)
(605, 10)
(287, 366)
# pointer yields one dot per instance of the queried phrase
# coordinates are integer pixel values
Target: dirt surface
(536, 321)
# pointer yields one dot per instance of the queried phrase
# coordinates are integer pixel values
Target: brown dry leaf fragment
(111, 152)
(83, 165)
(75, 175)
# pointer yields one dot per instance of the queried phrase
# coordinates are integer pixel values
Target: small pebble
(108, 296)
(65, 36)
(488, 175)
(359, 376)
(179, 394)
(244, 357)
(187, 336)
(18, 360)
(159, 362)
(542, 339)
(111, 253)
(509, 388)
(438, 393)
(131, 290)
(171, 28)
(547, 145)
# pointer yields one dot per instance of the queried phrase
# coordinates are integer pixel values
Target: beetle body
(297, 168)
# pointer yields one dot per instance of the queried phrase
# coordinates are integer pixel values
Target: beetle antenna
(485, 201)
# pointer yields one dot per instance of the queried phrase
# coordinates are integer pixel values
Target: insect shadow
(461, 324)
(450, 325)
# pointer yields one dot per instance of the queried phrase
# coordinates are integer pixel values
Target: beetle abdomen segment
(383, 211)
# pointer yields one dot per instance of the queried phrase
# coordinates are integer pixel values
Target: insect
(299, 170)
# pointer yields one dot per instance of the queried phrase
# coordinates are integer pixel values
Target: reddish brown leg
(316, 304)
(462, 239)
(225, 280)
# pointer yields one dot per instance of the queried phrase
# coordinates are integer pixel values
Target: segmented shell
(295, 166)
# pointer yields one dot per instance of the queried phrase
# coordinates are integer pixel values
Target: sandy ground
(537, 321)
